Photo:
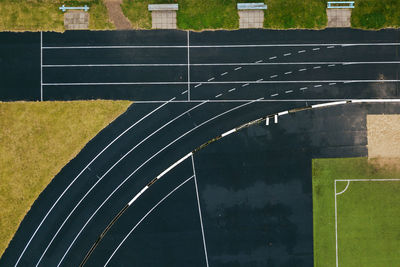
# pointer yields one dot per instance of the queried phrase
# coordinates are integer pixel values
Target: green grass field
(368, 228)
(44, 15)
(373, 14)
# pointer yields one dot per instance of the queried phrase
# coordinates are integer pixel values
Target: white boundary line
(144, 217)
(80, 173)
(279, 100)
(109, 169)
(220, 64)
(222, 82)
(145, 162)
(41, 66)
(218, 46)
(199, 207)
(336, 194)
(188, 65)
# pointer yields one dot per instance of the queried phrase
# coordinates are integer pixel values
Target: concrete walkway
(116, 15)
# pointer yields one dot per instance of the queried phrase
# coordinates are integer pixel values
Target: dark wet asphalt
(126, 64)
(254, 186)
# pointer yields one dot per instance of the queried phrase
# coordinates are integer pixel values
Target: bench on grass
(340, 4)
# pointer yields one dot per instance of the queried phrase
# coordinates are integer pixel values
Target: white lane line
(336, 235)
(217, 46)
(287, 54)
(330, 47)
(184, 92)
(41, 66)
(317, 67)
(283, 113)
(169, 169)
(112, 167)
(332, 83)
(303, 88)
(259, 61)
(331, 65)
(238, 68)
(267, 121)
(318, 85)
(274, 95)
(80, 173)
(211, 79)
(276, 119)
(144, 217)
(246, 84)
(274, 57)
(197, 85)
(260, 80)
(288, 72)
(225, 73)
(328, 104)
(117, 65)
(367, 180)
(315, 49)
(302, 69)
(231, 90)
(273, 76)
(390, 100)
(288, 91)
(188, 64)
(301, 51)
(199, 208)
(144, 163)
(228, 133)
(218, 95)
(222, 82)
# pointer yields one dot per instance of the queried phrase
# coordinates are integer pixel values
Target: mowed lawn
(373, 14)
(44, 15)
(367, 212)
(37, 139)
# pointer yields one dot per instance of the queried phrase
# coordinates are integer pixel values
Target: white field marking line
(331, 65)
(238, 68)
(184, 92)
(344, 190)
(304, 88)
(302, 69)
(188, 65)
(73, 181)
(329, 104)
(144, 217)
(274, 57)
(301, 51)
(231, 90)
(332, 83)
(218, 95)
(390, 100)
(198, 85)
(336, 194)
(288, 91)
(259, 61)
(315, 49)
(259, 80)
(246, 84)
(41, 66)
(144, 163)
(317, 67)
(287, 54)
(330, 47)
(115, 65)
(274, 95)
(288, 72)
(228, 132)
(211, 79)
(93, 186)
(318, 85)
(225, 73)
(218, 46)
(273, 76)
(200, 216)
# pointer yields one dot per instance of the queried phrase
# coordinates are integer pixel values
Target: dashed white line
(274, 95)
(330, 46)
(303, 88)
(259, 61)
(273, 57)
(218, 95)
(211, 79)
(238, 68)
(245, 84)
(302, 69)
(287, 54)
(331, 65)
(318, 85)
(288, 91)
(288, 72)
(317, 67)
(184, 92)
(260, 80)
(273, 76)
(301, 51)
(225, 73)
(332, 83)
(198, 85)
(315, 49)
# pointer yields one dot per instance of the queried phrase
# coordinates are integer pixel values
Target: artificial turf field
(368, 228)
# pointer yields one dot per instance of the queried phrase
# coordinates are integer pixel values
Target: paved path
(116, 15)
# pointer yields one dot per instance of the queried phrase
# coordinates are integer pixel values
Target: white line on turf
(200, 216)
(188, 64)
(41, 66)
(344, 190)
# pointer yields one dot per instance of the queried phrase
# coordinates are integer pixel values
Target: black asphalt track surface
(160, 65)
(254, 186)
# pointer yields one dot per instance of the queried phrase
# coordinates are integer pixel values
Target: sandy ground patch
(383, 136)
